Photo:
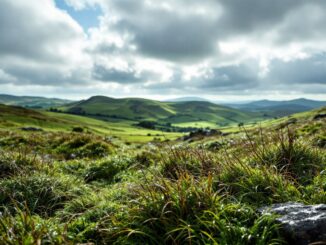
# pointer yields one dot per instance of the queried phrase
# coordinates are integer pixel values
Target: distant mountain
(185, 99)
(136, 109)
(279, 108)
(31, 101)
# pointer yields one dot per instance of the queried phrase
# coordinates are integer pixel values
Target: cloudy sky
(218, 49)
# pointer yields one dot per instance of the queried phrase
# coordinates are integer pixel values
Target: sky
(225, 50)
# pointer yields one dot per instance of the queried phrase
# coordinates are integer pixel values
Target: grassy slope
(303, 117)
(15, 117)
(177, 113)
(31, 101)
(280, 108)
(156, 194)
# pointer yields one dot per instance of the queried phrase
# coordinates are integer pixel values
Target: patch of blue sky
(87, 17)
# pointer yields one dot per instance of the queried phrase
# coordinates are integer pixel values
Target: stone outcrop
(301, 224)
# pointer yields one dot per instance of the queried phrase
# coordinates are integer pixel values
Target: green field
(15, 117)
(177, 113)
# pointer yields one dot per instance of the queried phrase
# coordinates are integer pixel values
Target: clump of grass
(295, 160)
(83, 146)
(13, 141)
(188, 211)
(235, 223)
(24, 228)
(178, 161)
(161, 207)
(107, 169)
(320, 141)
(255, 186)
(13, 163)
(311, 128)
(315, 193)
(147, 158)
(39, 193)
(87, 212)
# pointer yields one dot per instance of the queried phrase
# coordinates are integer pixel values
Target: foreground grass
(69, 188)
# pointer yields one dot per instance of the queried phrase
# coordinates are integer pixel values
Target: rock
(31, 129)
(301, 224)
(214, 146)
(201, 133)
(320, 116)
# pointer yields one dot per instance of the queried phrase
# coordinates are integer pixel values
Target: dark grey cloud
(180, 33)
(176, 39)
(165, 33)
(42, 75)
(115, 75)
(237, 77)
(253, 15)
(302, 71)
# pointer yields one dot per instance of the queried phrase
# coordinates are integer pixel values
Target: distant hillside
(16, 118)
(165, 112)
(31, 102)
(280, 108)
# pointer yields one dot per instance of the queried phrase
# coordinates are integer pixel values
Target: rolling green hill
(177, 113)
(14, 118)
(31, 102)
(280, 108)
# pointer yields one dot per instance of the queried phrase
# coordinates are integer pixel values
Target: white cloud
(172, 46)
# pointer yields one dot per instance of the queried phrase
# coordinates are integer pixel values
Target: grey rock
(31, 129)
(320, 116)
(301, 224)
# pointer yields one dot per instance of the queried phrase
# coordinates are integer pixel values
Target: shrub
(78, 129)
(95, 150)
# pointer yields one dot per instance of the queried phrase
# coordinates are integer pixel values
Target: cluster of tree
(79, 111)
(54, 109)
(165, 127)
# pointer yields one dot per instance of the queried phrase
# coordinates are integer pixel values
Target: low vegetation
(80, 187)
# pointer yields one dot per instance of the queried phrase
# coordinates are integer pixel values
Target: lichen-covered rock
(302, 224)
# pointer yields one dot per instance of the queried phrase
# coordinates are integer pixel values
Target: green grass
(16, 117)
(63, 187)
